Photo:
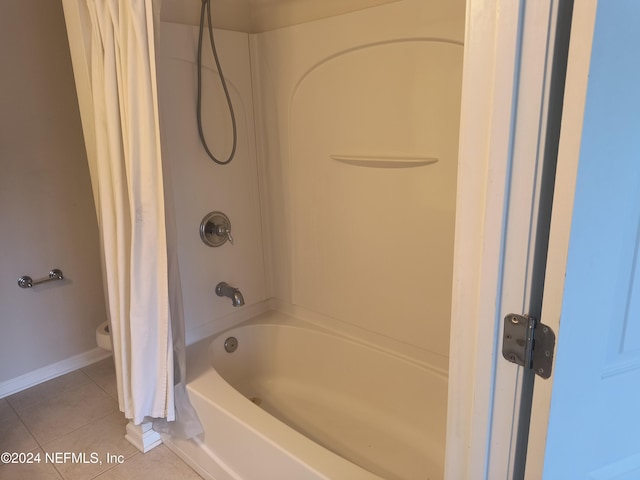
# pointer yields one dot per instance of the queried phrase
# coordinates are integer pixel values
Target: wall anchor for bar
(27, 282)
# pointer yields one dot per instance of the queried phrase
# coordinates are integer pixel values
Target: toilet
(103, 336)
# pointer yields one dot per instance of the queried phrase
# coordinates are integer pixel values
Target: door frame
(507, 72)
(582, 30)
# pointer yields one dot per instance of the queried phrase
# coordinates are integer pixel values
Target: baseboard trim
(54, 370)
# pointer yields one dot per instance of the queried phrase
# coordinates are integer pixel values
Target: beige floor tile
(44, 391)
(14, 436)
(95, 440)
(75, 413)
(5, 409)
(40, 471)
(159, 463)
(64, 411)
(103, 373)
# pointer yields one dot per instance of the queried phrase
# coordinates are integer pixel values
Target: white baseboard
(54, 370)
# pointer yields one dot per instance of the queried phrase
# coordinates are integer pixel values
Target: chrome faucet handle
(223, 230)
(215, 229)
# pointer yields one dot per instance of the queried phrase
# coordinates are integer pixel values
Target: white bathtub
(294, 401)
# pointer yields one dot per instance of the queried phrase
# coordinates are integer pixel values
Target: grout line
(42, 446)
(25, 426)
(11, 407)
(100, 386)
(38, 442)
(110, 468)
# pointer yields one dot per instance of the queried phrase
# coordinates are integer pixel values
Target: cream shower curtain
(117, 90)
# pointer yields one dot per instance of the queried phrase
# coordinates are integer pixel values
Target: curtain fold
(131, 212)
(131, 206)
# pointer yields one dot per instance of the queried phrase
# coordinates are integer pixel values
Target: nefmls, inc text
(71, 457)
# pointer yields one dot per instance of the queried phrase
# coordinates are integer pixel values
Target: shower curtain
(120, 117)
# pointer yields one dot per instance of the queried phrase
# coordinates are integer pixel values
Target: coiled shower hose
(206, 4)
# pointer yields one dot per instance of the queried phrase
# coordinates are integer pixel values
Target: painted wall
(46, 205)
(352, 112)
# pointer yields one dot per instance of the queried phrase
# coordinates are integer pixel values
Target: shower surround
(341, 196)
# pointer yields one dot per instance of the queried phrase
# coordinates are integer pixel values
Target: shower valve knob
(215, 229)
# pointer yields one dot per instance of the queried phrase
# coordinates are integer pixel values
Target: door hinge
(528, 343)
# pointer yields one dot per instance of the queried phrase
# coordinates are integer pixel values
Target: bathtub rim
(299, 318)
(208, 383)
(202, 373)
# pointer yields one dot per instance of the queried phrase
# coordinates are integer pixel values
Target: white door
(586, 418)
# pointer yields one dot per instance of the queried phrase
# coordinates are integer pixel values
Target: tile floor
(78, 414)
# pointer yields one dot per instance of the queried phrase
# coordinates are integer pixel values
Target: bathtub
(295, 401)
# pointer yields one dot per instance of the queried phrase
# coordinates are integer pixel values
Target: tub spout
(223, 289)
(237, 300)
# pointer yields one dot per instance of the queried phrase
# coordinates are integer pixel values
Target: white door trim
(582, 29)
(505, 85)
(481, 195)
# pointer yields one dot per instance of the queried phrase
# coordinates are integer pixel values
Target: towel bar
(27, 282)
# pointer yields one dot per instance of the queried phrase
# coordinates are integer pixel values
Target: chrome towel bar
(27, 282)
